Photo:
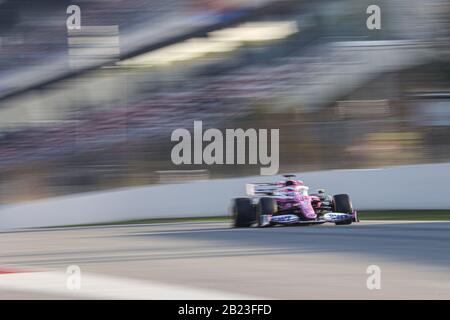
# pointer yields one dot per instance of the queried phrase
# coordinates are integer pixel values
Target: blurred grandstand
(343, 96)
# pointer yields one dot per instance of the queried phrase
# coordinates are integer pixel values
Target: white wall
(406, 187)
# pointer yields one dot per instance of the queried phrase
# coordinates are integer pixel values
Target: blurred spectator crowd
(388, 118)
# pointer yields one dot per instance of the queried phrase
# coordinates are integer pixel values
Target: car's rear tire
(266, 206)
(243, 212)
(342, 203)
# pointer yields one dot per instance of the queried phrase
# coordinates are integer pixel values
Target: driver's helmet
(290, 183)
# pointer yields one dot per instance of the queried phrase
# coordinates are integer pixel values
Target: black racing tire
(342, 203)
(243, 212)
(265, 206)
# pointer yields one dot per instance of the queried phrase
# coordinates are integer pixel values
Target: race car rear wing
(260, 189)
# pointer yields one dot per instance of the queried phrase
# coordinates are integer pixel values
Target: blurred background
(94, 109)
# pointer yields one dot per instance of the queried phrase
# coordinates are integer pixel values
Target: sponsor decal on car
(336, 216)
(286, 218)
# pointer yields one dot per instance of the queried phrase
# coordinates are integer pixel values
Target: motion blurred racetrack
(210, 260)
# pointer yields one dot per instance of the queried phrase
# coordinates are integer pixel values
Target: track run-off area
(211, 260)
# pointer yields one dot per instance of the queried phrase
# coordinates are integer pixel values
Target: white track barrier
(403, 187)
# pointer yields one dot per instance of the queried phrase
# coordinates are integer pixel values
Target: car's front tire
(342, 203)
(243, 213)
(266, 207)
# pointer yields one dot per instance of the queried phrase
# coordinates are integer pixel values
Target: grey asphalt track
(315, 262)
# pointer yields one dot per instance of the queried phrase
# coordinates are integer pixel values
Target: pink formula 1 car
(288, 203)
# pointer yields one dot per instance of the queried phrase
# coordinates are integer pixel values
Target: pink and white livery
(289, 203)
